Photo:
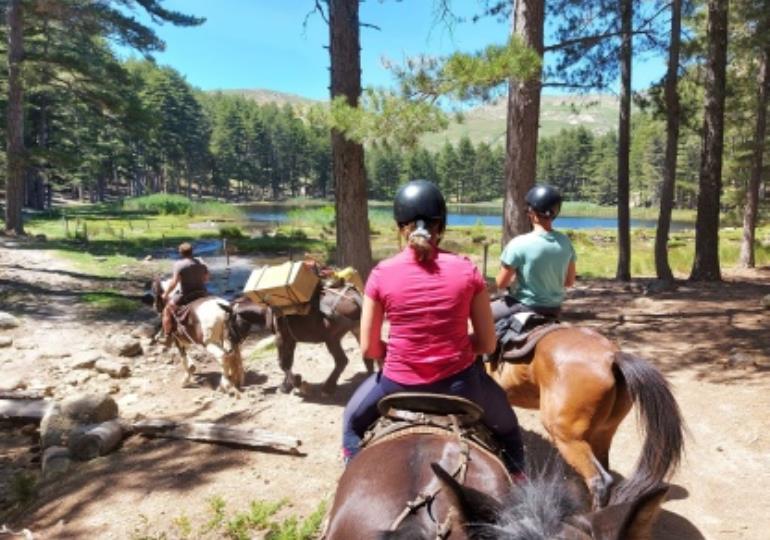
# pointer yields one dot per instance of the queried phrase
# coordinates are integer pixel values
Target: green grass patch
(111, 302)
(260, 520)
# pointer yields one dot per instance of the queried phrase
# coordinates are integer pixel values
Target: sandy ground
(711, 341)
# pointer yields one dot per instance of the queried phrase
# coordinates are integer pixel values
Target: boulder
(124, 346)
(62, 417)
(56, 461)
(8, 321)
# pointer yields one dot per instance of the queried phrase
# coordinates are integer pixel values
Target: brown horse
(333, 313)
(211, 325)
(584, 386)
(399, 489)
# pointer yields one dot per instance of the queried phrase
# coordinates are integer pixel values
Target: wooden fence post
(484, 267)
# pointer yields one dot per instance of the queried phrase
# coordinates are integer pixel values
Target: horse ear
(472, 506)
(631, 520)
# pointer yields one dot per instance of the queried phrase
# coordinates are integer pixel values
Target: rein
(426, 498)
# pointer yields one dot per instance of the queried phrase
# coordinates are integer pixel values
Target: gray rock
(8, 321)
(77, 378)
(11, 382)
(112, 368)
(85, 360)
(124, 346)
(145, 330)
(56, 461)
(63, 417)
(90, 409)
(6, 341)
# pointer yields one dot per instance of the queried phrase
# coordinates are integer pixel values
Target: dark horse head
(400, 488)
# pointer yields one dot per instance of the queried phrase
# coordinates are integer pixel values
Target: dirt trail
(712, 341)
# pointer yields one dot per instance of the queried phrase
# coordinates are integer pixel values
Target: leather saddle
(410, 412)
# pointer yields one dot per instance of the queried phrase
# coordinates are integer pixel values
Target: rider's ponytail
(422, 239)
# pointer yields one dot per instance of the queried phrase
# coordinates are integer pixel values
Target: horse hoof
(285, 388)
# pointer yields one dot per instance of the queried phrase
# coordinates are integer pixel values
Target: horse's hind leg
(226, 382)
(340, 361)
(189, 368)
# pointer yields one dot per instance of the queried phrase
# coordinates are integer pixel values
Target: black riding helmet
(544, 200)
(419, 199)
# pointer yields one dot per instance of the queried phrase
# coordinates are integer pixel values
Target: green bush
(231, 231)
(178, 205)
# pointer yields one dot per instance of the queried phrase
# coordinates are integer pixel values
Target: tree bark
(14, 184)
(624, 142)
(522, 124)
(671, 95)
(352, 217)
(706, 263)
(757, 158)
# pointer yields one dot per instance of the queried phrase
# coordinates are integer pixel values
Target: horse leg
(189, 368)
(223, 359)
(286, 346)
(368, 362)
(569, 431)
(340, 361)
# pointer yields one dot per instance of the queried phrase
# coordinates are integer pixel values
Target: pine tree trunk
(624, 143)
(706, 263)
(14, 185)
(757, 158)
(522, 124)
(352, 219)
(662, 267)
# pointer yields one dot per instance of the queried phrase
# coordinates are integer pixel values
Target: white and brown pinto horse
(210, 324)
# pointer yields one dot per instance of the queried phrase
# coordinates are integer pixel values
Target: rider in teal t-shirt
(539, 265)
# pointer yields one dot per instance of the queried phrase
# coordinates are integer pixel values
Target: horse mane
(533, 510)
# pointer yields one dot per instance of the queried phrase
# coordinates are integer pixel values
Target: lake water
(473, 216)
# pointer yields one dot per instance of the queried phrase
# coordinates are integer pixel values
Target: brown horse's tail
(662, 422)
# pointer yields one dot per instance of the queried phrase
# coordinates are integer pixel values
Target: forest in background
(160, 134)
(81, 120)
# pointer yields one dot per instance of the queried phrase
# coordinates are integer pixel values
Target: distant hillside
(261, 95)
(598, 113)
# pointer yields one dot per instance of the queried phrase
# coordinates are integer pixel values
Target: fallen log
(217, 433)
(24, 409)
(89, 442)
(21, 394)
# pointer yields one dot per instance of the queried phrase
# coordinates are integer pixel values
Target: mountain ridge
(486, 123)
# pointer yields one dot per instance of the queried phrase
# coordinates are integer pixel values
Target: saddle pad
(520, 351)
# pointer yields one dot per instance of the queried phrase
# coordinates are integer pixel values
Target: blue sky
(263, 44)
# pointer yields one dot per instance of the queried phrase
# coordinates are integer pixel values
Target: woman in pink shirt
(428, 294)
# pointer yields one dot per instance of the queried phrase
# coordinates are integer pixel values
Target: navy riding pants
(472, 383)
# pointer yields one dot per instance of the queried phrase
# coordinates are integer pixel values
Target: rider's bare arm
(483, 337)
(372, 316)
(505, 276)
(171, 286)
(569, 279)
